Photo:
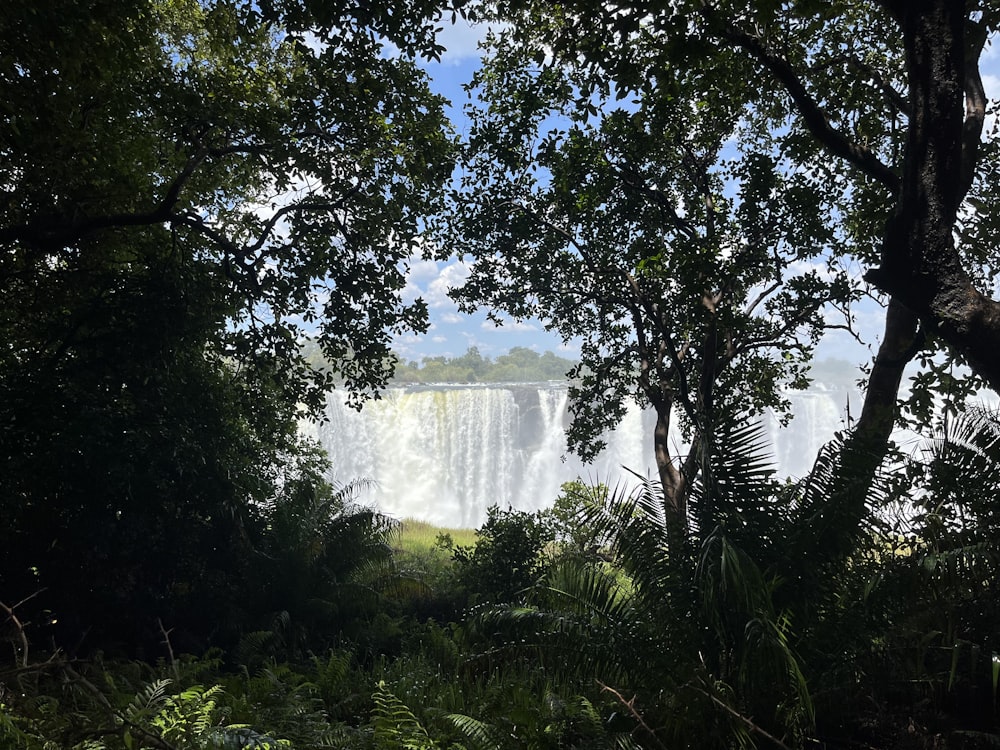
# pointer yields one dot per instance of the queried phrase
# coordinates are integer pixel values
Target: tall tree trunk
(920, 264)
(674, 482)
(834, 523)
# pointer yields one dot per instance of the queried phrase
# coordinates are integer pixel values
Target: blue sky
(452, 333)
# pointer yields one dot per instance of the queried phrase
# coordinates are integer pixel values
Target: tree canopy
(623, 182)
(519, 365)
(185, 188)
(189, 186)
(289, 169)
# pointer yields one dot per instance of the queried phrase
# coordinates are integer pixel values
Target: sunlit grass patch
(421, 537)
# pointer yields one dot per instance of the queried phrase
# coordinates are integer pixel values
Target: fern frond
(148, 701)
(478, 734)
(395, 724)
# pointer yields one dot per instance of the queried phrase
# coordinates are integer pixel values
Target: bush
(506, 558)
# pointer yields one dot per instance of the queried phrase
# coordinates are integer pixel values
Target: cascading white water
(818, 414)
(444, 454)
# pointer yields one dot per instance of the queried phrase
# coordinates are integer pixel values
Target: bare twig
(170, 648)
(630, 707)
(151, 738)
(19, 626)
(55, 660)
(737, 715)
(29, 597)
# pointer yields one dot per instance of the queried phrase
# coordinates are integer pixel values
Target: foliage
(847, 91)
(948, 552)
(506, 558)
(322, 565)
(696, 278)
(519, 365)
(396, 726)
(175, 154)
(623, 183)
(753, 634)
(725, 637)
(577, 500)
(187, 188)
(419, 537)
(159, 715)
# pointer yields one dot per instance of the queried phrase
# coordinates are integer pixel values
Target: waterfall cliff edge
(444, 454)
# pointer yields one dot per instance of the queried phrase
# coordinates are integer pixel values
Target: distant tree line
(519, 365)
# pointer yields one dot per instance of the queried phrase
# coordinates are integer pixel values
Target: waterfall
(444, 454)
(817, 414)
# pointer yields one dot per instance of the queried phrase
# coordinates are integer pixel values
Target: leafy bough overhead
(186, 188)
(288, 170)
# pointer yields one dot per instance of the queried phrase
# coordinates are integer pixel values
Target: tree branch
(630, 707)
(898, 100)
(19, 627)
(284, 211)
(737, 715)
(153, 739)
(756, 302)
(659, 199)
(975, 106)
(812, 114)
(53, 232)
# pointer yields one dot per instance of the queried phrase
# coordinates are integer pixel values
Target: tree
(187, 188)
(292, 176)
(869, 115)
(698, 637)
(696, 280)
(506, 558)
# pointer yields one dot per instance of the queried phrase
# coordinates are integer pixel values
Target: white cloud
(991, 51)
(991, 84)
(449, 277)
(461, 40)
(569, 348)
(410, 291)
(428, 279)
(422, 270)
(991, 87)
(803, 267)
(521, 325)
(509, 325)
(407, 347)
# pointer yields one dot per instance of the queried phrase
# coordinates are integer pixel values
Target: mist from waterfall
(445, 453)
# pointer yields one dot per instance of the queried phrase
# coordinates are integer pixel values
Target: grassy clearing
(418, 555)
(419, 537)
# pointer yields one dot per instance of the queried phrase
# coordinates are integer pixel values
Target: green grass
(420, 537)
(416, 551)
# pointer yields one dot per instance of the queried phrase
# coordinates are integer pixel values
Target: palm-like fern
(947, 589)
(691, 630)
(326, 562)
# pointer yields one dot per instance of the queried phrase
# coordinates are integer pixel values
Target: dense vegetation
(581, 626)
(519, 365)
(189, 189)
